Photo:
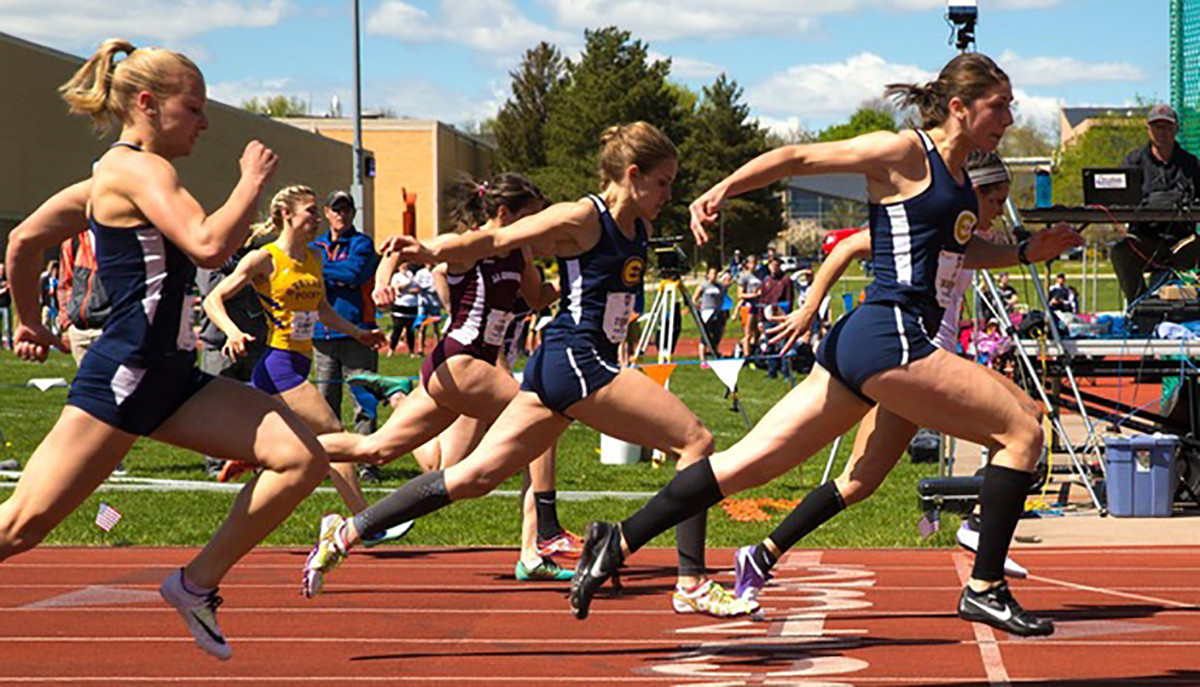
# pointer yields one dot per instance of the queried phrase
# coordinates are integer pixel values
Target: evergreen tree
(612, 83)
(723, 138)
(520, 125)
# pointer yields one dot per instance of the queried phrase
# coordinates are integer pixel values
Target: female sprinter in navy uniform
(600, 242)
(140, 377)
(922, 215)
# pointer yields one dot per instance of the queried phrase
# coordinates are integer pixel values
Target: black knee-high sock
(818, 507)
(546, 504)
(419, 496)
(1001, 502)
(691, 491)
(689, 543)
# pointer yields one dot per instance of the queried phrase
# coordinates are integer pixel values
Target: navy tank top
(482, 300)
(917, 245)
(600, 287)
(149, 281)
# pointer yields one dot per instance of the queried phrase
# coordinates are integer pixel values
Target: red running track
(455, 616)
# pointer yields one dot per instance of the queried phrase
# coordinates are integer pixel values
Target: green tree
(520, 125)
(612, 83)
(1105, 144)
(276, 106)
(723, 138)
(873, 115)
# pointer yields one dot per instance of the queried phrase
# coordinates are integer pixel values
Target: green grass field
(188, 518)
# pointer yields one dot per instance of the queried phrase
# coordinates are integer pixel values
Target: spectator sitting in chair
(1062, 296)
(1170, 179)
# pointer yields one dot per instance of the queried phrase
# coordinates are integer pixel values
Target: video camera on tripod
(672, 261)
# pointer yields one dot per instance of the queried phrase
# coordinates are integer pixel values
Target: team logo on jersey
(631, 272)
(964, 226)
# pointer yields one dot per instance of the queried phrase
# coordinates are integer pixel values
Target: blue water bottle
(1043, 190)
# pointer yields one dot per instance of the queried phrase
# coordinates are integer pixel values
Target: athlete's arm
(384, 295)
(256, 265)
(441, 285)
(537, 292)
(62, 216)
(153, 186)
(799, 323)
(330, 318)
(568, 227)
(870, 154)
(1044, 245)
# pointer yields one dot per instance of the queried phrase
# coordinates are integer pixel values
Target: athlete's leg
(255, 428)
(460, 439)
(415, 421)
(310, 405)
(72, 460)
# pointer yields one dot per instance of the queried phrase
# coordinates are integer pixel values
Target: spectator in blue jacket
(349, 271)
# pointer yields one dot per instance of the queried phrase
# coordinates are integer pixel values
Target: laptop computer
(1113, 186)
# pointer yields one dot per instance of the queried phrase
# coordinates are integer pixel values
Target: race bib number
(497, 325)
(616, 316)
(949, 265)
(302, 325)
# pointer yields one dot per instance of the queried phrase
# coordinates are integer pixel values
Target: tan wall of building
(43, 148)
(420, 156)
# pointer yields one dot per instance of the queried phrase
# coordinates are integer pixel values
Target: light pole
(356, 187)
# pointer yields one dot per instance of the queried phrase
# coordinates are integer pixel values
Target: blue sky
(803, 63)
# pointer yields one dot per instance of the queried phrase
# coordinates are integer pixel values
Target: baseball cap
(1163, 113)
(336, 198)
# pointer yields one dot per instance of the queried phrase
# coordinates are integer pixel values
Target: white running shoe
(391, 534)
(969, 540)
(200, 614)
(325, 556)
(712, 599)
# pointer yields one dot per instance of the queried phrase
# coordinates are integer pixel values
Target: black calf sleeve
(1001, 502)
(819, 506)
(689, 542)
(691, 491)
(546, 503)
(420, 496)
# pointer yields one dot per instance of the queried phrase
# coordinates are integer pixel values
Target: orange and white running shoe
(565, 543)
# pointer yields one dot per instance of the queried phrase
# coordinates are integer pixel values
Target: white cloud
(1041, 111)
(83, 23)
(1053, 71)
(490, 26)
(688, 67)
(822, 91)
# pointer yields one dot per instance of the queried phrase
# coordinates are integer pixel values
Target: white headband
(992, 174)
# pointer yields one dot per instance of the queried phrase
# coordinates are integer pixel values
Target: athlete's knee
(854, 490)
(698, 442)
(19, 532)
(474, 482)
(1026, 439)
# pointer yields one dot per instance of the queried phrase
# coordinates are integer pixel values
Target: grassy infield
(188, 518)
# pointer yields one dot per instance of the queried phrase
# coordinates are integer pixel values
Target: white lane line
(509, 583)
(989, 649)
(1114, 592)
(604, 641)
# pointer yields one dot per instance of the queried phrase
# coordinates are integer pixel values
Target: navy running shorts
(568, 369)
(135, 399)
(278, 371)
(872, 338)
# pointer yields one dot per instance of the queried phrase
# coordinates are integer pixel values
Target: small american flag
(107, 518)
(929, 523)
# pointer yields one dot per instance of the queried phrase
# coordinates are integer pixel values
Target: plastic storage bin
(1141, 475)
(613, 451)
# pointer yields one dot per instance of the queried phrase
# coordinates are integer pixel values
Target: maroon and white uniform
(481, 301)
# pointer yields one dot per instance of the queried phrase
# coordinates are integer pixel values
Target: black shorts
(135, 399)
(872, 338)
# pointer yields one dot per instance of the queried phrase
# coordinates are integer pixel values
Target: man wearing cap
(349, 272)
(1170, 179)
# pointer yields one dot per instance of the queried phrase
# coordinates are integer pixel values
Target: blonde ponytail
(105, 88)
(639, 143)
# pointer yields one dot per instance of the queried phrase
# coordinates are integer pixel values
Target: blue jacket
(349, 272)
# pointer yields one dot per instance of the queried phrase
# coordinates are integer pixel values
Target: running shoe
(710, 598)
(547, 569)
(325, 556)
(199, 612)
(232, 468)
(382, 387)
(748, 579)
(968, 538)
(370, 474)
(565, 543)
(391, 534)
(998, 608)
(600, 560)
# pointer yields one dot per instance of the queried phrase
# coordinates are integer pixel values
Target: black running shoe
(599, 561)
(370, 474)
(998, 608)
